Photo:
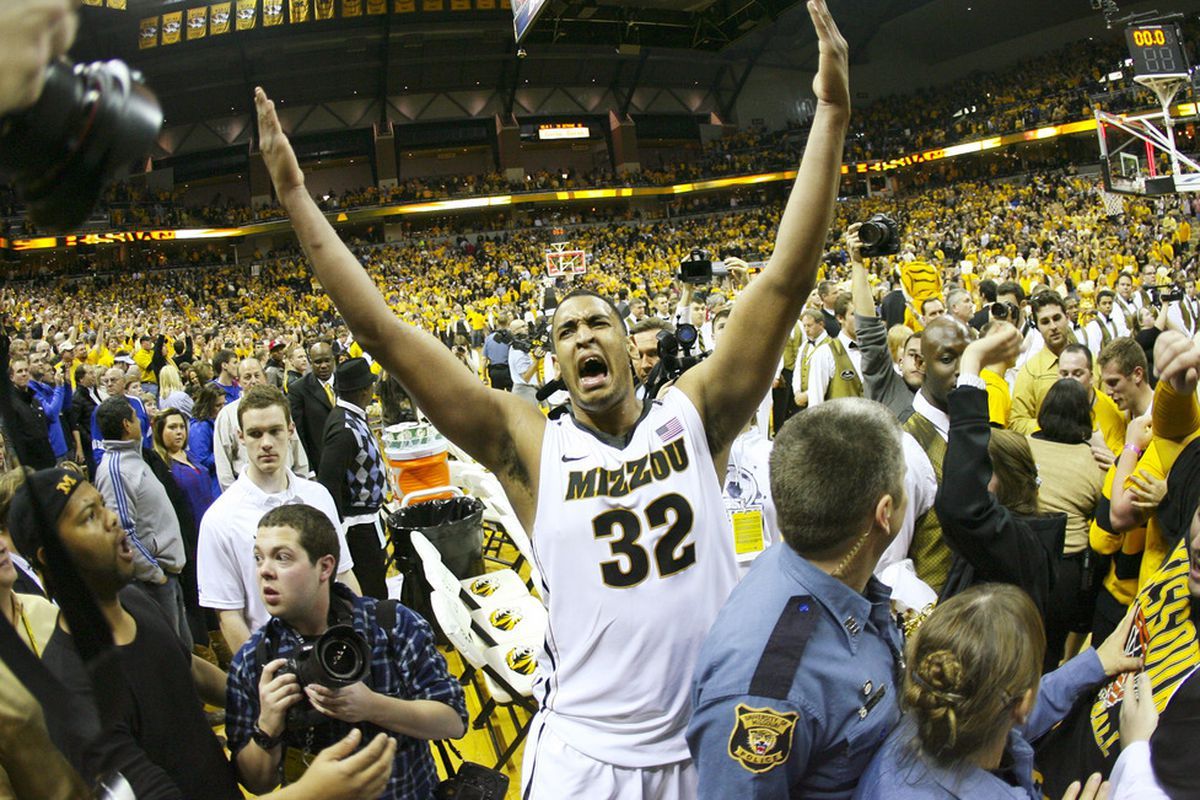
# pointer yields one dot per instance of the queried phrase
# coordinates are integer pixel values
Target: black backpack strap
(385, 613)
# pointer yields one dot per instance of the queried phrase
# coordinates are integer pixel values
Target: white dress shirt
(806, 348)
(225, 568)
(822, 368)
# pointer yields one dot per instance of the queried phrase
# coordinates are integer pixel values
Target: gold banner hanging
(351, 8)
(93, 2)
(324, 9)
(247, 14)
(172, 25)
(376, 6)
(148, 33)
(218, 18)
(299, 10)
(119, 5)
(197, 22)
(406, 6)
(272, 12)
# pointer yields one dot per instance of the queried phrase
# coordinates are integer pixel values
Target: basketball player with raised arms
(622, 498)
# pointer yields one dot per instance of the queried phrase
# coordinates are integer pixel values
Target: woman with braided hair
(972, 702)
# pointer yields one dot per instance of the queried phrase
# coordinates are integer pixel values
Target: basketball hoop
(562, 260)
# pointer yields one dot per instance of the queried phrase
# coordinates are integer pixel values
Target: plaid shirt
(404, 663)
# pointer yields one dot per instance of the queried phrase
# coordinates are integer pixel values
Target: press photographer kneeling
(379, 667)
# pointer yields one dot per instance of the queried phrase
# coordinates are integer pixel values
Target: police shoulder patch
(762, 737)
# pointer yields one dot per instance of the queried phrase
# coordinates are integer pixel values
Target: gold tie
(329, 394)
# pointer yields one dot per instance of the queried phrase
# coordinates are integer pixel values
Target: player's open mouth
(593, 372)
(124, 550)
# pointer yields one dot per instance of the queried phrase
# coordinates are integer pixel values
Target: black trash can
(455, 527)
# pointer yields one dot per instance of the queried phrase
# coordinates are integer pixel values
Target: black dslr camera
(1006, 311)
(91, 123)
(880, 236)
(339, 657)
(537, 338)
(674, 356)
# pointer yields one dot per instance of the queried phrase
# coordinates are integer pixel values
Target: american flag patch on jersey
(671, 430)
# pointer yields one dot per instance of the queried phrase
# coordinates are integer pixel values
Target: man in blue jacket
(54, 395)
(129, 486)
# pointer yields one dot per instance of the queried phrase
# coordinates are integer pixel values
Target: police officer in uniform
(795, 686)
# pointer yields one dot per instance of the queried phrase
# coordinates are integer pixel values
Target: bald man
(942, 346)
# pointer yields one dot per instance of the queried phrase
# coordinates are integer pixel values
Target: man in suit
(353, 471)
(311, 399)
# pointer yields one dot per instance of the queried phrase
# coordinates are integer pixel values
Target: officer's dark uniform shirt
(795, 686)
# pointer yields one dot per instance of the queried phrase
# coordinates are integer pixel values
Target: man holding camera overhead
(299, 684)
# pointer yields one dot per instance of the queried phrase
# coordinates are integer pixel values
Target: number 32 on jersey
(632, 562)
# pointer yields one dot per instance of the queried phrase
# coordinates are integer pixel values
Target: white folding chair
(486, 590)
(496, 511)
(507, 673)
(516, 621)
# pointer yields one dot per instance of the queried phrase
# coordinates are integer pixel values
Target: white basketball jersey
(636, 555)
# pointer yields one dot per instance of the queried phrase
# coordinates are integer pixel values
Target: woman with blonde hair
(171, 393)
(973, 701)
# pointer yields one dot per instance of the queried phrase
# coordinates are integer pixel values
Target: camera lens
(686, 334)
(91, 122)
(341, 657)
(1000, 310)
(872, 233)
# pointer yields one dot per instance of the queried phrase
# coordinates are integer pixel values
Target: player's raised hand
(832, 82)
(1177, 361)
(277, 150)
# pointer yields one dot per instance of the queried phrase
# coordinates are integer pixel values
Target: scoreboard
(1156, 50)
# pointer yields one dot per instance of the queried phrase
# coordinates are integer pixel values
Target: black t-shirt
(160, 739)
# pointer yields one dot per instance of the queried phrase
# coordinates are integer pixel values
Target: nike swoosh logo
(568, 459)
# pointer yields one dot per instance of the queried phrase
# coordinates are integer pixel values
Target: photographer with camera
(524, 361)
(328, 661)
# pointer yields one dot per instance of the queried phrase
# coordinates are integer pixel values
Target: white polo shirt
(225, 568)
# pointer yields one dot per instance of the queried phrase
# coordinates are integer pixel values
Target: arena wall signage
(118, 237)
(563, 130)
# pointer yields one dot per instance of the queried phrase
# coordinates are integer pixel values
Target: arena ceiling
(617, 47)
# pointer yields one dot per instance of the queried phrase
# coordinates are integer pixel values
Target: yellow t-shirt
(1125, 548)
(1110, 421)
(143, 358)
(101, 356)
(999, 398)
(1157, 462)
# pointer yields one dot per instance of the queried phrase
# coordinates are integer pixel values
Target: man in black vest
(311, 399)
(353, 471)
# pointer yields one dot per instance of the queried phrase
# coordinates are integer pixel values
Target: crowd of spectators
(980, 104)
